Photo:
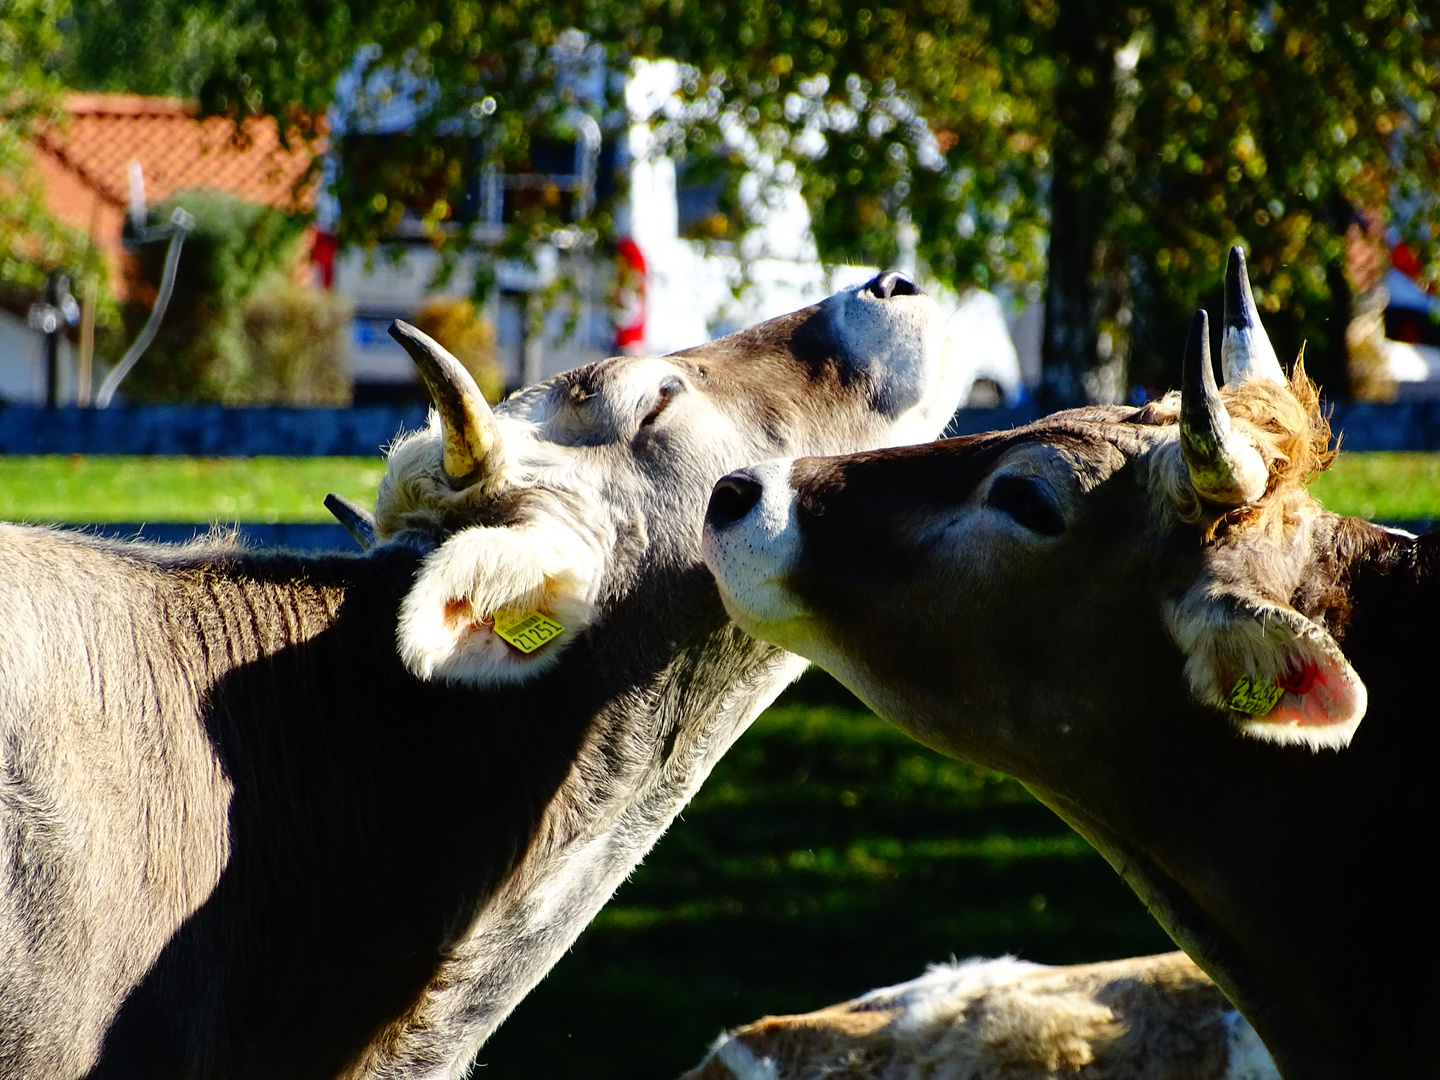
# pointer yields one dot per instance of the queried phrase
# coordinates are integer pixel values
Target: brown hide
(1021, 599)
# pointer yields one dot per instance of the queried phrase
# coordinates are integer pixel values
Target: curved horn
(357, 520)
(472, 437)
(1245, 350)
(1224, 468)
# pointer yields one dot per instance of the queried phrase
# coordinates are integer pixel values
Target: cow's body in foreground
(1149, 1018)
(242, 835)
(1144, 616)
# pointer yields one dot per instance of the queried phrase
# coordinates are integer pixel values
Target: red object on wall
(322, 254)
(1404, 260)
(629, 297)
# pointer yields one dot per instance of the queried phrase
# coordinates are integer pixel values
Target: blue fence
(295, 536)
(213, 431)
(205, 430)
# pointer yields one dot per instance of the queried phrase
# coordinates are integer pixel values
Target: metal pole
(84, 370)
(180, 225)
(50, 349)
(532, 340)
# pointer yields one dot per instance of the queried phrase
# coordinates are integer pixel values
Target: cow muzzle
(751, 543)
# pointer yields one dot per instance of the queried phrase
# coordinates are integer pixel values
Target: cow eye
(1028, 500)
(668, 390)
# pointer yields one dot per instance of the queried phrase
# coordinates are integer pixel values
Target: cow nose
(734, 497)
(892, 283)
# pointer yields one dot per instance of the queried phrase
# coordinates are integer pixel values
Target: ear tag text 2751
(526, 630)
(1254, 699)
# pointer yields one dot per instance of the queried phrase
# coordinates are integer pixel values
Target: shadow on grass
(826, 855)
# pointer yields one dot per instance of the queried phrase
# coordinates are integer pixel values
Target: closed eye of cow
(1029, 500)
(671, 388)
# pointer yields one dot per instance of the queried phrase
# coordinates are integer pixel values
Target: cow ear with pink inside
(497, 606)
(1280, 676)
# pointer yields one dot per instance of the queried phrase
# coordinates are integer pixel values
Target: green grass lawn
(100, 489)
(1388, 486)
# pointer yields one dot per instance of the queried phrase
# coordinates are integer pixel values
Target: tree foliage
(32, 242)
(1115, 150)
(202, 351)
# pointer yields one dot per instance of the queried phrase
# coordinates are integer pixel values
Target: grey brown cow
(271, 816)
(1143, 615)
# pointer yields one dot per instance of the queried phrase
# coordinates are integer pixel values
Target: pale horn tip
(1239, 300)
(1245, 352)
(1224, 467)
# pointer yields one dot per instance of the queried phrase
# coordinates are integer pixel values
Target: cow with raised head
(1144, 616)
(264, 815)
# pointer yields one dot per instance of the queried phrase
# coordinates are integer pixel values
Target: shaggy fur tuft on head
(496, 545)
(1284, 423)
(416, 496)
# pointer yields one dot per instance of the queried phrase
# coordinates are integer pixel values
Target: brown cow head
(1062, 574)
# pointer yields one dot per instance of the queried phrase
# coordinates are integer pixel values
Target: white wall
(22, 373)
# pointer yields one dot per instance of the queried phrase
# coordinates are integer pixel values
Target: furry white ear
(448, 619)
(1280, 675)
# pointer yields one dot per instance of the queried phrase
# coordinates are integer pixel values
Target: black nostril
(734, 497)
(892, 283)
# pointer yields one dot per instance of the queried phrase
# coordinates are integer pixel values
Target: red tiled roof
(106, 132)
(84, 163)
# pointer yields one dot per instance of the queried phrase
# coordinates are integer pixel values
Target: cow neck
(617, 799)
(503, 820)
(1304, 883)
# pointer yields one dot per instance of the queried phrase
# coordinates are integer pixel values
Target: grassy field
(1387, 486)
(100, 489)
(826, 855)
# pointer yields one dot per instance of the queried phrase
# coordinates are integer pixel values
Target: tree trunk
(1079, 194)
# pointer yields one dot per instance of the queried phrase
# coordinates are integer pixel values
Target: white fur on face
(447, 619)
(751, 557)
(899, 340)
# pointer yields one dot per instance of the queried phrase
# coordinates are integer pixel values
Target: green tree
(32, 242)
(1113, 151)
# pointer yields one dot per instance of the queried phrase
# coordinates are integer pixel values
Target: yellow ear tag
(526, 630)
(1256, 700)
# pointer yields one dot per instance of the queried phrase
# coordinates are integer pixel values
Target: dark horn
(1224, 468)
(1245, 349)
(472, 437)
(356, 519)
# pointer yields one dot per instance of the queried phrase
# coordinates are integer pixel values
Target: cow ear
(1281, 677)
(496, 606)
